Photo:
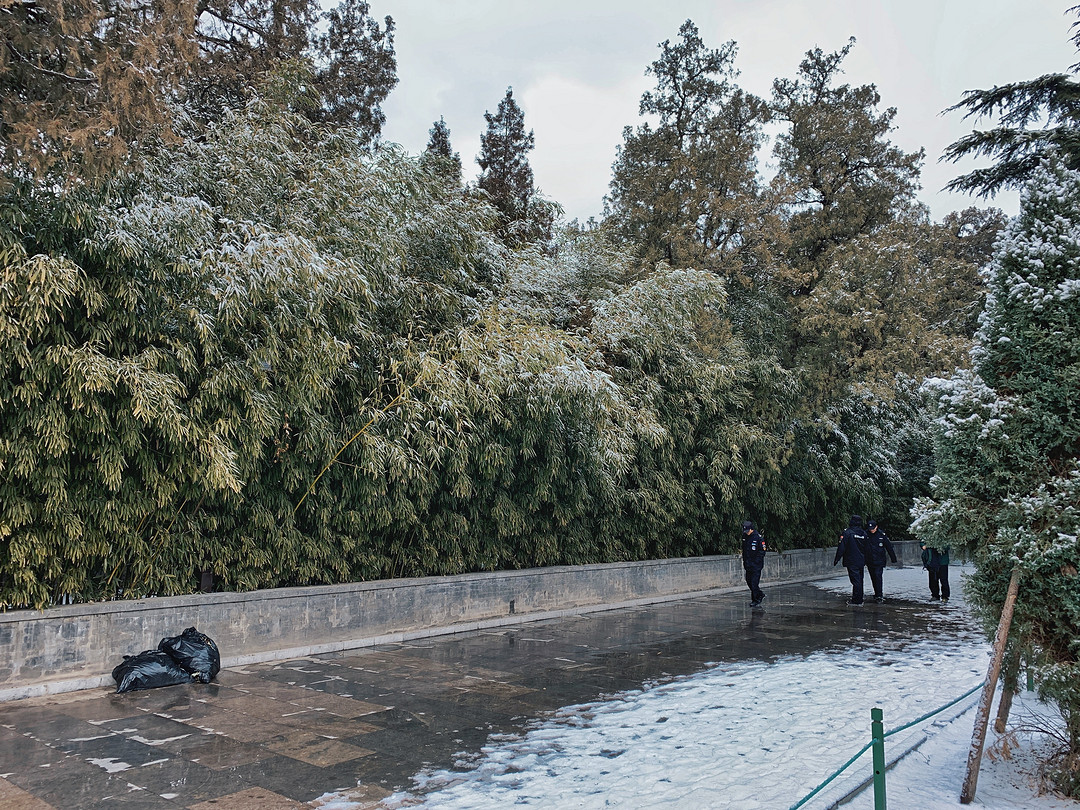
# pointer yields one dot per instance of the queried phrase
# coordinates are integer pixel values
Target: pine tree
(1007, 488)
(440, 155)
(81, 80)
(350, 55)
(507, 177)
(686, 191)
(356, 68)
(1035, 117)
(840, 175)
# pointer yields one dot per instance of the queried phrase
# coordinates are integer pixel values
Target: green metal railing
(877, 742)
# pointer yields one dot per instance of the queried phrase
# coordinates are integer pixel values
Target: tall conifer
(440, 155)
(1035, 117)
(1007, 488)
(506, 175)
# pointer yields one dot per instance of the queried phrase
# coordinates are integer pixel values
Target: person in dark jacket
(936, 562)
(753, 560)
(877, 546)
(852, 550)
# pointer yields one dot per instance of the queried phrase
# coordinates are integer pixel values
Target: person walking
(936, 562)
(878, 546)
(753, 560)
(852, 550)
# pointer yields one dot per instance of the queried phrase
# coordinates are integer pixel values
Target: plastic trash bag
(147, 670)
(194, 652)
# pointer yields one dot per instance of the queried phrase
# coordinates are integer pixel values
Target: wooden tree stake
(982, 717)
(1009, 682)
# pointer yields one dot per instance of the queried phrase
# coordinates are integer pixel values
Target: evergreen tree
(853, 284)
(351, 57)
(833, 268)
(1007, 488)
(507, 177)
(839, 174)
(686, 191)
(356, 68)
(81, 80)
(440, 156)
(1035, 117)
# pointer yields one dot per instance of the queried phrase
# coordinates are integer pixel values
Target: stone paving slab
(363, 722)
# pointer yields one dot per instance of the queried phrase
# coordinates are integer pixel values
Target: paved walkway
(280, 735)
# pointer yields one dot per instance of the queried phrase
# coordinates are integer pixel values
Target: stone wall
(77, 646)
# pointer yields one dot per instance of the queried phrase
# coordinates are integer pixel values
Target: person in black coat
(936, 562)
(852, 550)
(753, 560)
(877, 546)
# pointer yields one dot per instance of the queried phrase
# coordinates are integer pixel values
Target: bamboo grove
(266, 349)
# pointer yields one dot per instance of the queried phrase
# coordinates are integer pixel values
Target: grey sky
(577, 69)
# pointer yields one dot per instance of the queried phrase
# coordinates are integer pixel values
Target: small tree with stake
(1007, 489)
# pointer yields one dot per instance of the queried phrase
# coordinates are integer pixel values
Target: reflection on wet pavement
(364, 722)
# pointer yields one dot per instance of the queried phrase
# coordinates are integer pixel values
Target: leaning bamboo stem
(343, 447)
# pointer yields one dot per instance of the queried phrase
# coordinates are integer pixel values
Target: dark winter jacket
(935, 558)
(852, 548)
(753, 551)
(877, 546)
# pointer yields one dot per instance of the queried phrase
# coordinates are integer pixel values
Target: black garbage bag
(194, 652)
(148, 669)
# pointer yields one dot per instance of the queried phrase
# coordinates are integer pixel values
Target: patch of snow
(145, 741)
(110, 765)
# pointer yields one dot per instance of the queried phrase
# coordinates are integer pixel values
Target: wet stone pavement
(363, 722)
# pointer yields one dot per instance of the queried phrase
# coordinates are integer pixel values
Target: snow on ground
(930, 777)
(759, 734)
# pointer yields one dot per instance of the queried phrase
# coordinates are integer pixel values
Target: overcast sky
(577, 68)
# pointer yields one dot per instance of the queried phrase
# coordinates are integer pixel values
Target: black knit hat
(856, 520)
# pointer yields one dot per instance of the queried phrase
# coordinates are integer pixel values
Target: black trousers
(753, 577)
(856, 577)
(939, 581)
(875, 579)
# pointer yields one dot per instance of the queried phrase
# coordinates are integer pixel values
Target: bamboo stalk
(345, 446)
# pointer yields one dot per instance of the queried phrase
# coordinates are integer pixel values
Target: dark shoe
(879, 599)
(935, 598)
(755, 603)
(944, 599)
(857, 604)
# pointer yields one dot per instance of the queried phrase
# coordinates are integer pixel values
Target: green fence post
(877, 731)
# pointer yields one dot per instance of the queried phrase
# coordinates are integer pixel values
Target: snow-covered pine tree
(1007, 485)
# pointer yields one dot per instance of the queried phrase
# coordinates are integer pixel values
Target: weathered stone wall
(76, 647)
